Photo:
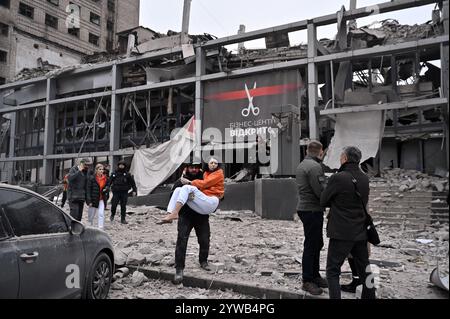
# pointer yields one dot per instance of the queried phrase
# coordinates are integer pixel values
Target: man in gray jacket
(310, 181)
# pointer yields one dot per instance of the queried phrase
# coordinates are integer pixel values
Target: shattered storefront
(107, 109)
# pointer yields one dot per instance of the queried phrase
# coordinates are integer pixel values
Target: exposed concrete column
(49, 133)
(12, 146)
(444, 78)
(313, 97)
(114, 136)
(186, 17)
(199, 71)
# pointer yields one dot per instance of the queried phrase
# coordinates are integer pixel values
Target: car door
(51, 260)
(9, 274)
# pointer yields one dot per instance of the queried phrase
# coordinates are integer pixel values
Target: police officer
(120, 183)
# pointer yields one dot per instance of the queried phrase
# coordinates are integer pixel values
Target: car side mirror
(76, 228)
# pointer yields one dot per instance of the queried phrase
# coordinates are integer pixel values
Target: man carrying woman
(201, 195)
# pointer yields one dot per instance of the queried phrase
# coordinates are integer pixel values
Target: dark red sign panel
(244, 105)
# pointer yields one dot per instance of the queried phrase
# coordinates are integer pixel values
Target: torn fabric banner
(152, 166)
(363, 130)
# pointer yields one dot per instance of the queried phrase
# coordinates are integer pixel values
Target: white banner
(152, 166)
(363, 130)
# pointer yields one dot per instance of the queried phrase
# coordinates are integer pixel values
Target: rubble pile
(411, 181)
(391, 31)
(247, 249)
(26, 73)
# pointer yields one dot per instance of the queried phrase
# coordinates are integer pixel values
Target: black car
(44, 253)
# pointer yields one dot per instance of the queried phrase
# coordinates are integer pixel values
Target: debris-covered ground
(248, 249)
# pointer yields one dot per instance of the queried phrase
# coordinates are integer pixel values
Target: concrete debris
(117, 286)
(253, 250)
(412, 180)
(138, 279)
(135, 258)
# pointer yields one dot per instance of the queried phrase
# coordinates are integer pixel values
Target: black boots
(123, 221)
(178, 279)
(205, 266)
(351, 287)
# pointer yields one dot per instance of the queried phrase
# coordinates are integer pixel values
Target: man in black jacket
(310, 181)
(188, 219)
(120, 183)
(76, 191)
(346, 222)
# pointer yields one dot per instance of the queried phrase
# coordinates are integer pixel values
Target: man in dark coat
(346, 222)
(76, 191)
(120, 183)
(187, 220)
(310, 181)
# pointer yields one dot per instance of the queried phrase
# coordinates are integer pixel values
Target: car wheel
(100, 278)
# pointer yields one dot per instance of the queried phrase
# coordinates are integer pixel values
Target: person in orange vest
(97, 195)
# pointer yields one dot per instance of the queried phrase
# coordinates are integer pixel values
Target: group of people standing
(92, 188)
(345, 192)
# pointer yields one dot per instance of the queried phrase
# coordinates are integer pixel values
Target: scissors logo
(251, 108)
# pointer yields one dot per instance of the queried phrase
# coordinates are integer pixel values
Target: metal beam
(14, 85)
(313, 95)
(387, 106)
(371, 10)
(49, 133)
(383, 50)
(80, 98)
(320, 21)
(200, 69)
(155, 86)
(22, 107)
(116, 111)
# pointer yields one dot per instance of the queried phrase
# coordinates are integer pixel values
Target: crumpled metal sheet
(436, 279)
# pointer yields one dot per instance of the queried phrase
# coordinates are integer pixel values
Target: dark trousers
(76, 209)
(122, 198)
(313, 229)
(64, 198)
(338, 251)
(187, 220)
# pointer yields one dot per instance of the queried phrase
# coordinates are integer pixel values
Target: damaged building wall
(127, 14)
(92, 28)
(29, 53)
(154, 92)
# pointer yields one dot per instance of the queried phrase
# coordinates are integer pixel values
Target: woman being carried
(201, 195)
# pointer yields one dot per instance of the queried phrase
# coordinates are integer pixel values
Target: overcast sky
(222, 18)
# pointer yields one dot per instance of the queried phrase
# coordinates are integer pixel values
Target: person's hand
(184, 181)
(133, 194)
(90, 205)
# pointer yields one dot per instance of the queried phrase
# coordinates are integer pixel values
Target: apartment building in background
(59, 32)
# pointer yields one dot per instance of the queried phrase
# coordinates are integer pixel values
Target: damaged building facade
(108, 110)
(56, 33)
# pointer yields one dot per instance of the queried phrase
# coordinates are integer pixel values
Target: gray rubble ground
(265, 253)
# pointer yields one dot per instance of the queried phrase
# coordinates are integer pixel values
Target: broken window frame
(3, 56)
(4, 29)
(5, 3)
(94, 18)
(94, 39)
(74, 32)
(51, 21)
(54, 2)
(26, 10)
